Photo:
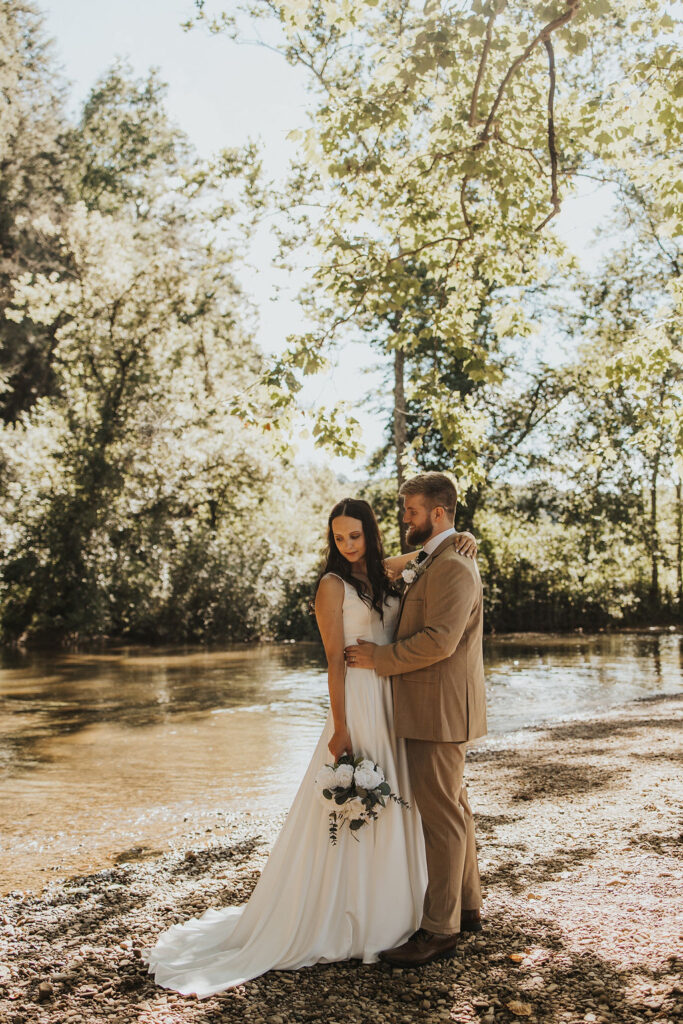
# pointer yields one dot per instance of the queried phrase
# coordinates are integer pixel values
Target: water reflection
(46, 696)
(101, 751)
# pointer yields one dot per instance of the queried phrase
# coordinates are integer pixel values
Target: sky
(222, 93)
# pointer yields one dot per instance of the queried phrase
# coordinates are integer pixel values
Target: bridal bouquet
(359, 791)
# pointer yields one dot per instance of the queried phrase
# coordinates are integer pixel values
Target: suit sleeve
(451, 595)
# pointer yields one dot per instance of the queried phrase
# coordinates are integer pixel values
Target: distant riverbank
(578, 834)
(110, 643)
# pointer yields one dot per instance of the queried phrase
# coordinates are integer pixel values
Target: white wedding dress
(315, 902)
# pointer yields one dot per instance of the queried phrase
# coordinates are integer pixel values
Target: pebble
(45, 991)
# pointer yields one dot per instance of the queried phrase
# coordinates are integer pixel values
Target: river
(113, 754)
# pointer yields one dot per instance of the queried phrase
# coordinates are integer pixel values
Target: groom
(436, 665)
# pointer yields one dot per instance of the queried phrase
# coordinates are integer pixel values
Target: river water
(109, 755)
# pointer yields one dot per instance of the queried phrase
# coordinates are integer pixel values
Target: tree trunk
(654, 540)
(679, 546)
(400, 434)
(469, 507)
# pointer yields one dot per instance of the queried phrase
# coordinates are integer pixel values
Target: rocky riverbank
(578, 834)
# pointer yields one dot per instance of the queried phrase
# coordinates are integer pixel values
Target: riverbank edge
(109, 643)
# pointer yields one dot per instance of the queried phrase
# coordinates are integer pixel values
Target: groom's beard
(418, 534)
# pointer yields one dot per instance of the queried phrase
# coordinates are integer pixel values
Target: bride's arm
(328, 612)
(397, 563)
(465, 544)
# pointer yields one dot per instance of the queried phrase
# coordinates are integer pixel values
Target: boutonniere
(412, 571)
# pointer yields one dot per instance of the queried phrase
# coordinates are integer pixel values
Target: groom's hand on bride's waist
(360, 655)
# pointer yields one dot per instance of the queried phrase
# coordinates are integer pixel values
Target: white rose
(409, 575)
(343, 775)
(325, 779)
(370, 766)
(367, 777)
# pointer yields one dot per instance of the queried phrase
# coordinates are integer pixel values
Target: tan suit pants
(436, 775)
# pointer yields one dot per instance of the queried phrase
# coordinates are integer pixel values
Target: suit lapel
(424, 567)
(400, 607)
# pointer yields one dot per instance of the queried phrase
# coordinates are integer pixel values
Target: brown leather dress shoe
(421, 948)
(470, 921)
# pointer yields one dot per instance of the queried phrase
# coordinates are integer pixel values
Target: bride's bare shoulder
(331, 586)
(332, 578)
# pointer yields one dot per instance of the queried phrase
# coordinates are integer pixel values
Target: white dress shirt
(432, 544)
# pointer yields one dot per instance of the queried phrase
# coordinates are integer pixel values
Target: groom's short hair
(436, 488)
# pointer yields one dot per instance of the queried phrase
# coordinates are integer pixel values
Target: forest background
(150, 485)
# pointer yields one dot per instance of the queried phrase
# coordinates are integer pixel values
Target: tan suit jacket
(436, 661)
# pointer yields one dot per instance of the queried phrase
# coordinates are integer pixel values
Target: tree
(619, 436)
(504, 416)
(126, 154)
(131, 487)
(32, 193)
(644, 297)
(441, 142)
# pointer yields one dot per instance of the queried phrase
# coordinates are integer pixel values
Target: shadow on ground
(605, 728)
(481, 973)
(487, 824)
(539, 780)
(520, 876)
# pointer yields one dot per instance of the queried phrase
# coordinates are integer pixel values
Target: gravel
(578, 837)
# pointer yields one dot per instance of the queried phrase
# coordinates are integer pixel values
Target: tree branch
(542, 36)
(520, 149)
(427, 245)
(554, 194)
(482, 65)
(463, 207)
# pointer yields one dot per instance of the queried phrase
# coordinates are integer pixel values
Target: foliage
(125, 151)
(441, 142)
(557, 573)
(32, 189)
(135, 502)
(149, 510)
(148, 483)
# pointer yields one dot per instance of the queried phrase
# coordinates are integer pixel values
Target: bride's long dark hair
(380, 584)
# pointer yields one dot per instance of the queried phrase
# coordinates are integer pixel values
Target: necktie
(421, 557)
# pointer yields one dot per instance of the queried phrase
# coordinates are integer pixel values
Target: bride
(316, 902)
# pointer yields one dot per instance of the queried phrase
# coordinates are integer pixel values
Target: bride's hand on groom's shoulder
(466, 544)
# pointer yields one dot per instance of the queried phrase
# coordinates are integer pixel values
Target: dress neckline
(388, 599)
